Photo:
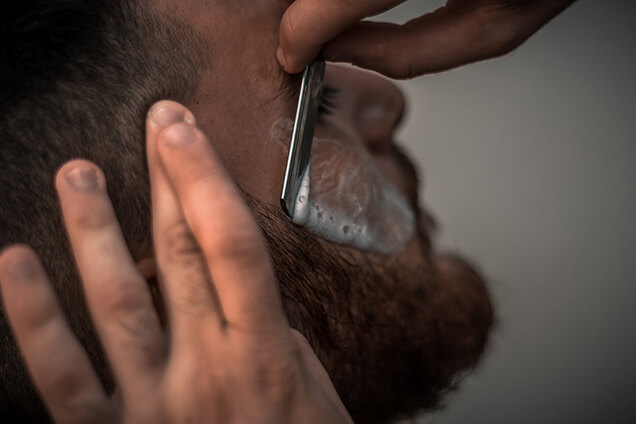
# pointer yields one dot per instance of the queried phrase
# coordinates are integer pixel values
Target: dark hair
(77, 78)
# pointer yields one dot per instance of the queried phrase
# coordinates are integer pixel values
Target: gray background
(529, 166)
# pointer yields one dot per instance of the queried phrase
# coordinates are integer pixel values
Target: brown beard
(394, 338)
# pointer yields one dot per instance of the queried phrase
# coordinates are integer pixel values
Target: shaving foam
(344, 198)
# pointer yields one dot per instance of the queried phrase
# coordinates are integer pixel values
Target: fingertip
(292, 64)
(167, 112)
(14, 249)
(307, 26)
(79, 174)
(178, 135)
(20, 271)
(18, 263)
(291, 53)
(282, 59)
(165, 119)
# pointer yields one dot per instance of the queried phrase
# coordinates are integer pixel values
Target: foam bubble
(281, 132)
(345, 199)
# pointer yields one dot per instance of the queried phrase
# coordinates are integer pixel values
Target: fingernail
(179, 135)
(82, 178)
(22, 269)
(167, 115)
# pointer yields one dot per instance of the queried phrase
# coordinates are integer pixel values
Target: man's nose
(380, 112)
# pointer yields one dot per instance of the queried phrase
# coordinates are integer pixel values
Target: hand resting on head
(227, 354)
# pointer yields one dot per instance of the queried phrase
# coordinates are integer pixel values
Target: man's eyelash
(328, 101)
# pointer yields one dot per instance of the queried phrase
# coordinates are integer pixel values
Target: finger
(182, 268)
(117, 294)
(432, 43)
(308, 24)
(56, 361)
(224, 227)
(438, 41)
(318, 372)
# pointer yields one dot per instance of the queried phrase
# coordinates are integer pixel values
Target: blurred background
(529, 165)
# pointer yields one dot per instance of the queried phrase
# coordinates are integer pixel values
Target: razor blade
(303, 135)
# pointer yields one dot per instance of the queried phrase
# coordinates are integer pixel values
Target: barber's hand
(228, 355)
(461, 32)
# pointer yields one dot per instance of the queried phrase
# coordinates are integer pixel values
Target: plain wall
(529, 166)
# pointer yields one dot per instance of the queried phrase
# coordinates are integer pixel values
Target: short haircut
(77, 79)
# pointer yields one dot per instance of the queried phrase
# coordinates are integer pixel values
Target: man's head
(393, 330)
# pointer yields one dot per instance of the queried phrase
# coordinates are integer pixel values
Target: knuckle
(277, 377)
(404, 63)
(183, 265)
(401, 69)
(120, 296)
(238, 244)
(66, 381)
(209, 386)
(394, 58)
(288, 33)
(180, 243)
(274, 368)
(193, 296)
(127, 314)
(400, 66)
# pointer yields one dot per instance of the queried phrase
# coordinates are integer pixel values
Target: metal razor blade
(303, 134)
